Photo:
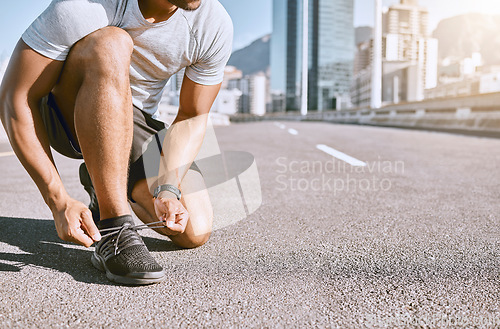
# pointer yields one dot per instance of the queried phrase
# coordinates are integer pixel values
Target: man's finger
(180, 224)
(80, 237)
(176, 227)
(183, 219)
(89, 225)
(170, 219)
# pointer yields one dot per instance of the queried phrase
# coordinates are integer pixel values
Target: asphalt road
(409, 240)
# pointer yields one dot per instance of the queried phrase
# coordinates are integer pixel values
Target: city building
(407, 39)
(227, 101)
(258, 93)
(361, 88)
(465, 87)
(230, 73)
(455, 69)
(254, 93)
(361, 83)
(238, 94)
(243, 86)
(409, 58)
(363, 56)
(489, 82)
(331, 54)
(404, 25)
(482, 80)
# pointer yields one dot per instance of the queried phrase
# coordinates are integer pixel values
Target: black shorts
(145, 129)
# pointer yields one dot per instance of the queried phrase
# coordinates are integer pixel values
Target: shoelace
(126, 226)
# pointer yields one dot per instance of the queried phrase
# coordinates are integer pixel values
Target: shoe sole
(144, 278)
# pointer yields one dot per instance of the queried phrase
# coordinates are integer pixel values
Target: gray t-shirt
(198, 40)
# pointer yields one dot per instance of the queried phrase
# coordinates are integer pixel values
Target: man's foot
(122, 254)
(87, 185)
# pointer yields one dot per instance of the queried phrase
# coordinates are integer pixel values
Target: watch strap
(169, 188)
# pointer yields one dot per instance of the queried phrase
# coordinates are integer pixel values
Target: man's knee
(197, 232)
(191, 240)
(107, 50)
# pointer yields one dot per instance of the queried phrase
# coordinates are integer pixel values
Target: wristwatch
(169, 188)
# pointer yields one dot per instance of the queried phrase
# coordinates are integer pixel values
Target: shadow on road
(41, 247)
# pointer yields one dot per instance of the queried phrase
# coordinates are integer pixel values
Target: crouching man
(86, 79)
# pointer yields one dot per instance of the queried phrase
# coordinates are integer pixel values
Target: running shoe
(122, 254)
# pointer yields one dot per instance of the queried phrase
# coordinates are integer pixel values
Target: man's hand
(74, 223)
(172, 212)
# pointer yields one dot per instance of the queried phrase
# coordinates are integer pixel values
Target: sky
(251, 19)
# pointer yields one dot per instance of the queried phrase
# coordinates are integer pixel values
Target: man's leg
(195, 199)
(93, 94)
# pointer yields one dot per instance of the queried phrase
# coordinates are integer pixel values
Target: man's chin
(186, 4)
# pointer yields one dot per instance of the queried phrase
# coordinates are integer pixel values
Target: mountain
(362, 33)
(254, 58)
(462, 35)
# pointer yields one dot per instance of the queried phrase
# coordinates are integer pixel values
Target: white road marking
(293, 132)
(6, 154)
(341, 156)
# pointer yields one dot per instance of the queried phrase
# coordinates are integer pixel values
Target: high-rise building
(331, 53)
(361, 83)
(253, 93)
(363, 56)
(243, 85)
(410, 57)
(258, 84)
(407, 39)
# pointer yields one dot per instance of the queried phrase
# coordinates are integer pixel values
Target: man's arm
(29, 77)
(181, 146)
